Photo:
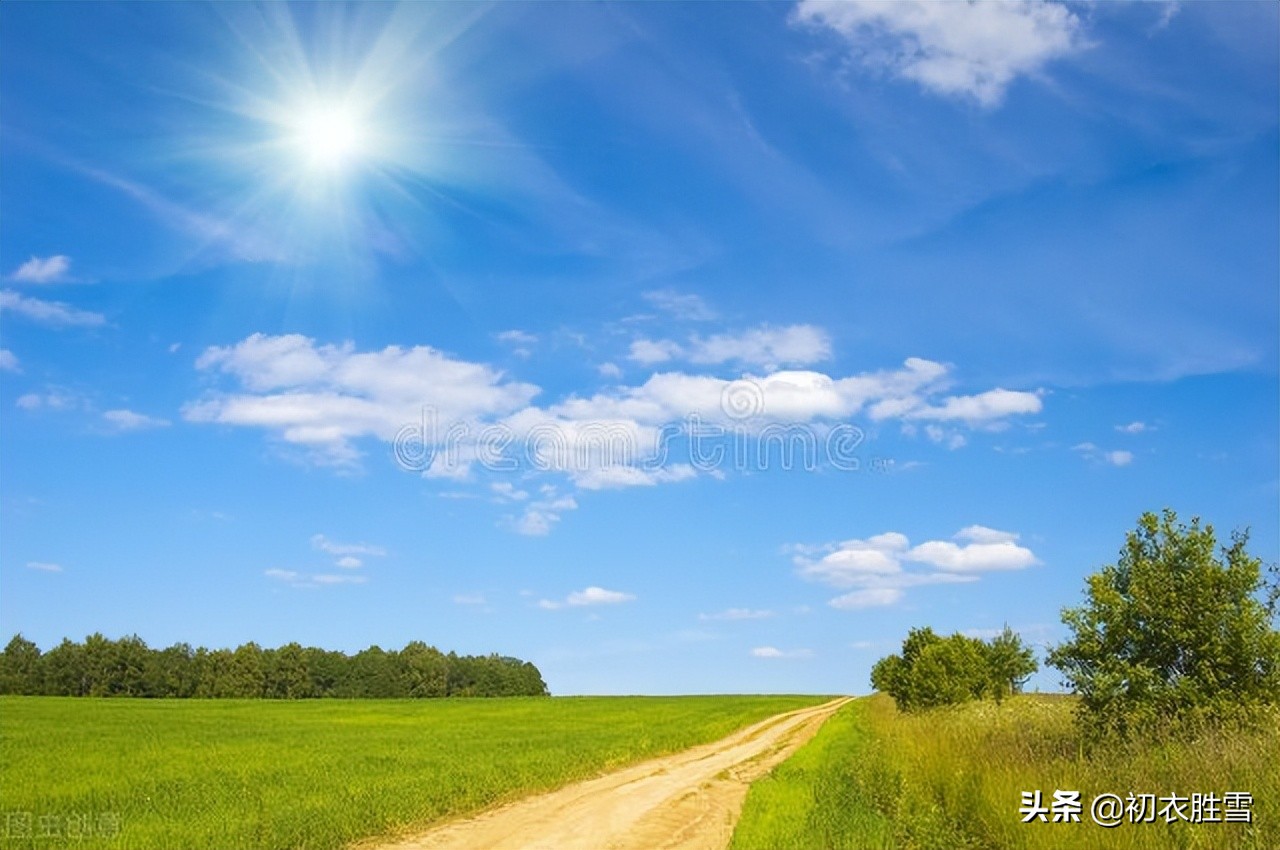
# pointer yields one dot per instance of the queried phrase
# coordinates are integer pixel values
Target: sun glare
(329, 137)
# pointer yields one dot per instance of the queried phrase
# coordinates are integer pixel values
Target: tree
(1010, 663)
(20, 667)
(933, 670)
(1170, 630)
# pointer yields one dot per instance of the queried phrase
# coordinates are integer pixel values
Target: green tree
(1010, 663)
(20, 667)
(1171, 630)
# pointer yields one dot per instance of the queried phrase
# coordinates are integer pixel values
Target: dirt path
(690, 800)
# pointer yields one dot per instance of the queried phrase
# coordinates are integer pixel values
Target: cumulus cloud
(53, 313)
(42, 269)
(324, 397)
(968, 50)
(9, 361)
(590, 596)
(879, 569)
(128, 420)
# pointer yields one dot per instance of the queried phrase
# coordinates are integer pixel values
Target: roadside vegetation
(953, 777)
(221, 774)
(1174, 662)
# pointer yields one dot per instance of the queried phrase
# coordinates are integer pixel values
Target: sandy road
(686, 801)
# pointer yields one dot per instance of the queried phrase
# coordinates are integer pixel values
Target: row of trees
(128, 667)
(1172, 631)
(934, 670)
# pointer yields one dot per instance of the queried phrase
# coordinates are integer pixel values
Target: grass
(953, 778)
(315, 774)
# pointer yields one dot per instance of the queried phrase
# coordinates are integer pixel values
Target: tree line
(129, 668)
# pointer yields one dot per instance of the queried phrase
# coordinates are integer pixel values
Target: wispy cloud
(9, 361)
(774, 652)
(44, 566)
(681, 305)
(1136, 427)
(345, 554)
(738, 614)
(53, 313)
(128, 420)
(42, 269)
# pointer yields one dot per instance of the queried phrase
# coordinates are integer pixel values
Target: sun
(329, 137)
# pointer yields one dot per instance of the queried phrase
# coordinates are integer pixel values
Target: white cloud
(54, 399)
(871, 597)
(1118, 458)
(972, 557)
(769, 347)
(1133, 428)
(349, 562)
(650, 351)
(297, 579)
(516, 337)
(774, 652)
(506, 491)
(128, 420)
(44, 566)
(324, 397)
(324, 544)
(328, 578)
(588, 597)
(684, 306)
(541, 515)
(875, 570)
(53, 313)
(982, 534)
(983, 407)
(609, 370)
(738, 614)
(968, 50)
(9, 361)
(42, 269)
(618, 476)
(1093, 453)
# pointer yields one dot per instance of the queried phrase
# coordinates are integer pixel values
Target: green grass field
(952, 778)
(314, 774)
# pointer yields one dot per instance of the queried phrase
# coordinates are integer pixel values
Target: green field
(953, 778)
(314, 774)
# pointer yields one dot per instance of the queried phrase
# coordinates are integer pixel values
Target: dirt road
(689, 800)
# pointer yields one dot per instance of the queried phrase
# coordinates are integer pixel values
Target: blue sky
(676, 348)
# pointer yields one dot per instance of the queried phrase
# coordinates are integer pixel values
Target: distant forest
(101, 667)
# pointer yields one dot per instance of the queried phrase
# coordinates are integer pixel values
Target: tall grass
(954, 777)
(315, 774)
